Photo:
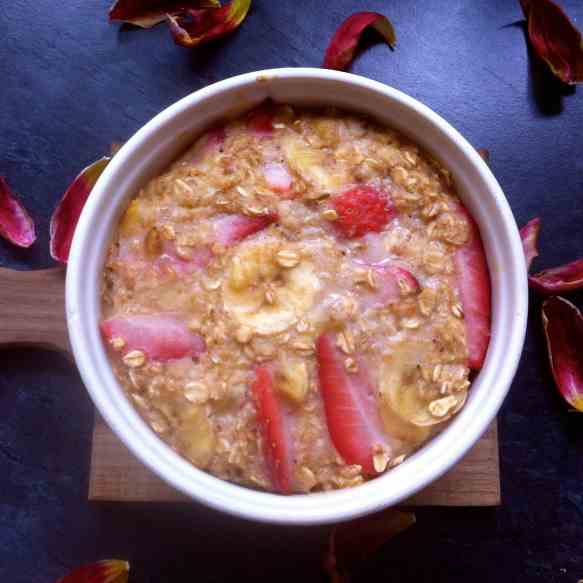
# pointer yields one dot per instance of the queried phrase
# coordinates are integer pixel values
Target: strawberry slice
(362, 210)
(170, 261)
(161, 336)
(260, 120)
(231, 229)
(276, 439)
(207, 146)
(277, 176)
(351, 411)
(473, 281)
(215, 138)
(393, 281)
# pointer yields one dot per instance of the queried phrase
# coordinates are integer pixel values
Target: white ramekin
(150, 150)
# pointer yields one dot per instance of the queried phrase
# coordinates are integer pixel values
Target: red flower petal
(554, 39)
(111, 571)
(196, 27)
(353, 542)
(68, 211)
(147, 13)
(15, 223)
(565, 278)
(563, 326)
(342, 47)
(529, 235)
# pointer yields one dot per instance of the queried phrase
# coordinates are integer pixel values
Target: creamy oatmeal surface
(297, 303)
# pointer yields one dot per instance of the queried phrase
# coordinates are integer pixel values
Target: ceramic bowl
(148, 153)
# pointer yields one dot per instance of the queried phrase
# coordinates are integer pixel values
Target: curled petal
(68, 211)
(196, 27)
(565, 278)
(529, 235)
(148, 13)
(342, 47)
(16, 224)
(111, 571)
(354, 542)
(554, 39)
(563, 326)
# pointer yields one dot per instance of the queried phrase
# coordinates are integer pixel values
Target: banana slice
(265, 295)
(310, 164)
(400, 428)
(406, 401)
(291, 378)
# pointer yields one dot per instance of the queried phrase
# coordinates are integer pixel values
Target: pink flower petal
(148, 13)
(529, 235)
(554, 39)
(566, 278)
(195, 27)
(16, 225)
(342, 47)
(110, 571)
(66, 215)
(563, 326)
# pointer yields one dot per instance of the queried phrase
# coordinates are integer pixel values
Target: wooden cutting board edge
(116, 475)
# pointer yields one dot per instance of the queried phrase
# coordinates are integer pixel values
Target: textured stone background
(71, 84)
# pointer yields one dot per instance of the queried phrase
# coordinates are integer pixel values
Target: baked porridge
(298, 303)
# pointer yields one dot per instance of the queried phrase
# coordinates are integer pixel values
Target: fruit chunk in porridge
(298, 303)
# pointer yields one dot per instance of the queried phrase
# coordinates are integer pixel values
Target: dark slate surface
(72, 84)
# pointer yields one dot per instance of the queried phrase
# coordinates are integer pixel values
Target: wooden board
(116, 475)
(32, 311)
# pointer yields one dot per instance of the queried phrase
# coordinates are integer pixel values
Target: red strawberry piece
(277, 176)
(473, 281)
(351, 410)
(276, 437)
(390, 280)
(199, 259)
(362, 210)
(231, 229)
(260, 121)
(161, 336)
(209, 143)
(215, 137)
